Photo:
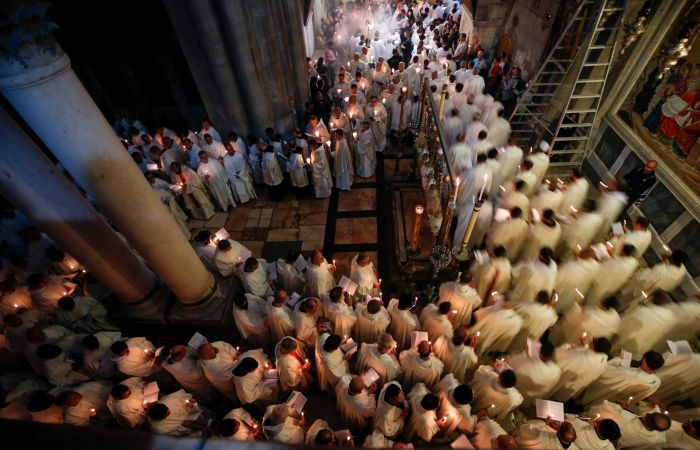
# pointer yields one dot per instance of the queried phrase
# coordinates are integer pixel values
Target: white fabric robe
(640, 239)
(642, 326)
(458, 360)
(377, 117)
(535, 434)
(98, 363)
(594, 320)
(194, 193)
(256, 282)
(369, 327)
(272, 173)
(540, 235)
(280, 321)
(321, 173)
(574, 195)
(531, 277)
(226, 261)
(586, 436)
(417, 370)
(611, 276)
(288, 432)
(403, 323)
(422, 423)
(95, 395)
(289, 278)
(356, 410)
(546, 199)
(579, 367)
(535, 378)
(213, 174)
(218, 369)
(610, 206)
(618, 381)
(388, 419)
(173, 425)
(340, 315)
(634, 433)
(330, 366)
(364, 277)
(664, 276)
(342, 168)
(250, 388)
(129, 413)
(458, 416)
(319, 279)
(678, 376)
(494, 275)
(305, 327)
(385, 364)
(537, 318)
(251, 322)
(580, 231)
(510, 234)
(366, 157)
(510, 199)
(245, 431)
(498, 328)
(540, 164)
(88, 316)
(488, 392)
(189, 374)
(510, 161)
(238, 174)
(140, 362)
(463, 298)
(485, 432)
(434, 323)
(296, 166)
(571, 275)
(289, 369)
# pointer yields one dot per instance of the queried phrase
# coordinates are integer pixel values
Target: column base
(151, 309)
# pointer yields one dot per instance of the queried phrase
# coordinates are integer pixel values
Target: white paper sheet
(296, 400)
(348, 285)
(370, 377)
(150, 392)
(680, 347)
(417, 337)
(548, 408)
(300, 264)
(197, 340)
(462, 442)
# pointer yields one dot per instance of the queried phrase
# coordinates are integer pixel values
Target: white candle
(573, 210)
(375, 112)
(354, 135)
(346, 99)
(308, 160)
(483, 186)
(317, 134)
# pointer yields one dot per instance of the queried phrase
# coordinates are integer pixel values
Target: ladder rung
(547, 84)
(572, 138)
(564, 164)
(536, 94)
(579, 111)
(566, 61)
(597, 80)
(567, 152)
(575, 125)
(559, 72)
(596, 64)
(607, 29)
(586, 96)
(598, 47)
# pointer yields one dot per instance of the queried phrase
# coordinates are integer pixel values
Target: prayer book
(293, 300)
(197, 340)
(150, 392)
(348, 285)
(680, 347)
(626, 358)
(370, 377)
(296, 401)
(617, 229)
(221, 234)
(417, 337)
(349, 346)
(245, 254)
(533, 349)
(462, 442)
(300, 264)
(601, 251)
(151, 166)
(272, 271)
(548, 408)
(342, 436)
(270, 378)
(501, 215)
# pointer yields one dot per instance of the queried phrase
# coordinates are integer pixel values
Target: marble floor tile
(251, 223)
(264, 222)
(255, 247)
(283, 234)
(359, 230)
(218, 221)
(255, 213)
(237, 218)
(364, 199)
(312, 232)
(308, 246)
(313, 218)
(266, 213)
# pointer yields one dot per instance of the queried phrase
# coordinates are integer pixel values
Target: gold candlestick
(416, 230)
(463, 253)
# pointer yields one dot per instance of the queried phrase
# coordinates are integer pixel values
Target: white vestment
(418, 370)
(579, 367)
(579, 232)
(459, 360)
(540, 235)
(369, 327)
(129, 412)
(574, 195)
(535, 378)
(571, 275)
(252, 322)
(458, 416)
(245, 430)
(403, 323)
(364, 277)
(330, 366)
(593, 319)
(319, 279)
(531, 277)
(510, 234)
(213, 174)
(498, 328)
(492, 276)
(280, 321)
(140, 362)
(536, 435)
(218, 369)
(189, 374)
(641, 327)
(488, 392)
(289, 368)
(98, 363)
(340, 315)
(463, 298)
(422, 423)
(435, 323)
(238, 174)
(321, 173)
(287, 432)
(611, 276)
(634, 433)
(173, 425)
(618, 381)
(250, 387)
(356, 410)
(388, 419)
(385, 364)
(93, 403)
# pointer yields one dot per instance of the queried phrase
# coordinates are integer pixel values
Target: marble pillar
(251, 50)
(37, 80)
(35, 186)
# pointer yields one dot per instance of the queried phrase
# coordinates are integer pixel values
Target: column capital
(29, 52)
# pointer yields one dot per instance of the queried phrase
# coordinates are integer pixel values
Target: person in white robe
(337, 308)
(580, 366)
(279, 316)
(238, 174)
(372, 320)
(296, 166)
(248, 375)
(214, 176)
(509, 234)
(38, 335)
(254, 276)
(537, 375)
(305, 321)
(595, 434)
(611, 204)
(271, 171)
(166, 196)
(534, 275)
(499, 128)
(319, 275)
(171, 415)
(356, 404)
(193, 191)
(493, 274)
(575, 274)
(664, 276)
(249, 317)
(423, 422)
(510, 159)
(126, 403)
(321, 434)
(619, 381)
(420, 365)
(527, 176)
(514, 196)
(227, 256)
(211, 131)
(217, 360)
(376, 114)
(575, 192)
(678, 377)
(645, 431)
(457, 353)
(579, 230)
(205, 248)
(84, 402)
(601, 320)
(544, 434)
(543, 233)
(339, 120)
(57, 363)
(135, 357)
(496, 327)
(462, 297)
(490, 435)
(538, 317)
(540, 161)
(495, 392)
(183, 366)
(392, 410)
(365, 149)
(283, 424)
(435, 320)
(331, 362)
(46, 290)
(363, 272)
(381, 357)
(548, 196)
(645, 325)
(476, 184)
(455, 406)
(13, 298)
(83, 314)
(320, 170)
(292, 365)
(238, 425)
(403, 320)
(214, 147)
(289, 277)
(342, 167)
(97, 356)
(612, 275)
(639, 236)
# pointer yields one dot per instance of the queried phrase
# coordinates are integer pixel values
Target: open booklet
(462, 443)
(548, 408)
(349, 346)
(680, 347)
(296, 401)
(417, 337)
(150, 392)
(197, 340)
(348, 285)
(370, 377)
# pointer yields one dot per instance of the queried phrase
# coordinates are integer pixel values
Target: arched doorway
(506, 45)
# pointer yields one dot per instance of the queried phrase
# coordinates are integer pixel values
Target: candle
(483, 186)
(375, 112)
(579, 293)
(416, 228)
(350, 114)
(404, 89)
(603, 185)
(384, 101)
(334, 262)
(417, 70)
(316, 133)
(16, 306)
(585, 334)
(478, 333)
(346, 99)
(354, 135)
(573, 210)
(238, 349)
(338, 91)
(629, 400)
(500, 186)
(644, 294)
(308, 160)
(328, 143)
(306, 360)
(380, 281)
(92, 411)
(492, 406)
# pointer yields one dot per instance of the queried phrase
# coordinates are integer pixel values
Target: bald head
(356, 385)
(206, 352)
(505, 442)
(424, 349)
(566, 433)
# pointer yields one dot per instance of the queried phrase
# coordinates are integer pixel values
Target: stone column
(40, 191)
(37, 80)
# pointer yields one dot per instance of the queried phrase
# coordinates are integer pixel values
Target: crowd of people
(554, 305)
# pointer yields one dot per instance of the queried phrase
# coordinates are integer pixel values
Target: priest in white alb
(213, 174)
